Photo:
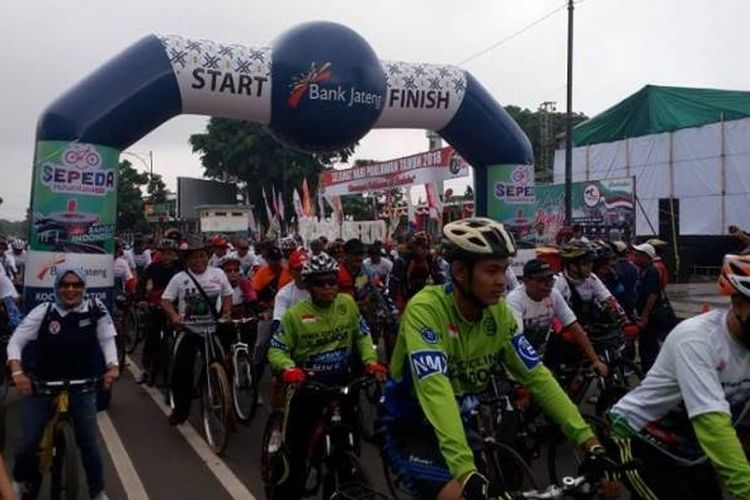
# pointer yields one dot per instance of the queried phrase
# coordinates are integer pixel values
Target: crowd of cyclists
(436, 322)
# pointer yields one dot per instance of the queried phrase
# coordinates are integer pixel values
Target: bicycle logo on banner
(82, 156)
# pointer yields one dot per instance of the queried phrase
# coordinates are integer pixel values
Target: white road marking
(131, 482)
(236, 489)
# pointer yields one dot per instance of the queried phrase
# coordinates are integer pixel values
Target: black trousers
(157, 323)
(659, 477)
(183, 370)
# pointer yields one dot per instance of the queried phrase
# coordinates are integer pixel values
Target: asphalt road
(146, 459)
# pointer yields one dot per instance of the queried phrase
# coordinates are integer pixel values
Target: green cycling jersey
(439, 356)
(321, 339)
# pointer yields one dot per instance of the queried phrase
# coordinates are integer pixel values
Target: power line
(512, 35)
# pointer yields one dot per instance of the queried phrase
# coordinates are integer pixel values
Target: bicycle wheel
(565, 458)
(506, 469)
(344, 476)
(216, 404)
(398, 492)
(130, 331)
(65, 484)
(244, 387)
(270, 445)
(368, 398)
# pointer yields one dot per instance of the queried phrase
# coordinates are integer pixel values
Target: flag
(280, 206)
(297, 202)
(338, 210)
(434, 201)
(252, 226)
(411, 216)
(269, 213)
(306, 201)
(321, 204)
(274, 201)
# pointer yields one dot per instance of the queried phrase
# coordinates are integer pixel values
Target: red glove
(377, 371)
(293, 375)
(631, 330)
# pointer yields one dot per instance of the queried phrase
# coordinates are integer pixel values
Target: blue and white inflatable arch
(318, 88)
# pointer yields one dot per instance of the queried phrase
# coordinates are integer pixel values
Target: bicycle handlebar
(57, 386)
(313, 385)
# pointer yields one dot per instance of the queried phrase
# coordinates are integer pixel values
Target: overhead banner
(432, 166)
(535, 214)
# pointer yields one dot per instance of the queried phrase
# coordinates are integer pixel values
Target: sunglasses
(68, 284)
(322, 282)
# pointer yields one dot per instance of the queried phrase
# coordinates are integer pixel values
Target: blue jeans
(36, 412)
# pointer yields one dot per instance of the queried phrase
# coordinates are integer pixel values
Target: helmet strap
(466, 291)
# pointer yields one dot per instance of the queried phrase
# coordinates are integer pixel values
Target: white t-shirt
(9, 264)
(511, 281)
(215, 260)
(590, 289)
(191, 306)
(699, 365)
(537, 316)
(247, 262)
(289, 295)
(121, 270)
(141, 260)
(6, 288)
(382, 268)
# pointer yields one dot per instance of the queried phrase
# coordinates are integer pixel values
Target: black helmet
(575, 251)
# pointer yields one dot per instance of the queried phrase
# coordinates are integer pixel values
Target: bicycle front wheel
(65, 484)
(244, 387)
(271, 448)
(345, 475)
(129, 331)
(215, 399)
(507, 470)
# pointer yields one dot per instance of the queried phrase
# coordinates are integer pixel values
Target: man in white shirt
(541, 310)
(247, 257)
(7, 261)
(679, 424)
(197, 290)
(381, 265)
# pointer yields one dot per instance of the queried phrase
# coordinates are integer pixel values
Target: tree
(130, 216)
(530, 123)
(243, 152)
(156, 189)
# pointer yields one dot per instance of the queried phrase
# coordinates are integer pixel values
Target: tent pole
(645, 215)
(723, 177)
(671, 209)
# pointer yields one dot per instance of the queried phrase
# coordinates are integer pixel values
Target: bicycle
(5, 381)
(242, 369)
(332, 457)
(213, 387)
(58, 452)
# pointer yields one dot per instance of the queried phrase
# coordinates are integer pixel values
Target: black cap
(535, 267)
(354, 246)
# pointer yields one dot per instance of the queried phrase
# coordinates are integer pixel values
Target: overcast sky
(620, 45)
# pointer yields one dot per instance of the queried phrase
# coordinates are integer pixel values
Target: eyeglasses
(68, 284)
(322, 282)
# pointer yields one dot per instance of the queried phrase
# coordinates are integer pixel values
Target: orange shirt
(263, 277)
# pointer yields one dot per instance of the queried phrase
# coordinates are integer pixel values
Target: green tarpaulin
(655, 109)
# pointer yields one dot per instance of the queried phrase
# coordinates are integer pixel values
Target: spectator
(382, 266)
(649, 297)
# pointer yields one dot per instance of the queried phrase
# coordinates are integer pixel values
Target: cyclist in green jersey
(317, 335)
(451, 339)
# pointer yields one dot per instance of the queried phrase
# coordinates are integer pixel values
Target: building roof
(656, 109)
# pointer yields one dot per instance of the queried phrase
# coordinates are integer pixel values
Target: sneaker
(274, 443)
(260, 400)
(19, 489)
(101, 496)
(142, 379)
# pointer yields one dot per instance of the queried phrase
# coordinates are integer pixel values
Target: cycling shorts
(414, 456)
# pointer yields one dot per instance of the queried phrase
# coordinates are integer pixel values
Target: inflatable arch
(318, 88)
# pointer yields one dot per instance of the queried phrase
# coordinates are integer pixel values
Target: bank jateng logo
(80, 172)
(312, 85)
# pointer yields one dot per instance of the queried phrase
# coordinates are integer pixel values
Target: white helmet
(476, 238)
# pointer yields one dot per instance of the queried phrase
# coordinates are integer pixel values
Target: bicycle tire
(275, 422)
(344, 471)
(367, 412)
(508, 470)
(394, 482)
(216, 408)
(563, 457)
(65, 483)
(130, 331)
(244, 387)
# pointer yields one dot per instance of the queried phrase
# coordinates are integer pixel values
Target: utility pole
(546, 140)
(569, 122)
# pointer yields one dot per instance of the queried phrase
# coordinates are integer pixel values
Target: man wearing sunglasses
(318, 335)
(542, 309)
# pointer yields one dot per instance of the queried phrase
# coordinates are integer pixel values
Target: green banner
(535, 214)
(74, 196)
